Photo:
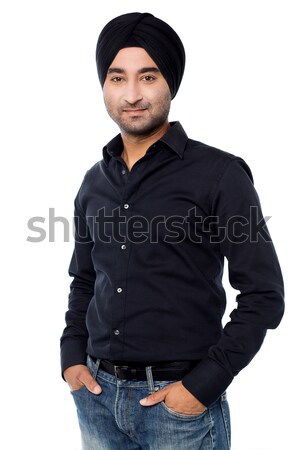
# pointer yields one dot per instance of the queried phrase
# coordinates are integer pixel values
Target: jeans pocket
(75, 391)
(181, 415)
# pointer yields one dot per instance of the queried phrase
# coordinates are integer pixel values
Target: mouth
(134, 111)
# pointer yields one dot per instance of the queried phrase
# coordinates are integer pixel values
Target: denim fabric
(115, 420)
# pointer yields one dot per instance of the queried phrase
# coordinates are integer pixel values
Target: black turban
(152, 34)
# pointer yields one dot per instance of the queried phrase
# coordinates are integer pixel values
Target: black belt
(163, 371)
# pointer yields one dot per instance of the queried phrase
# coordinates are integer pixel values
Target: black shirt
(148, 263)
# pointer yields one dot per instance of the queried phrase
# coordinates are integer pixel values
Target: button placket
(120, 289)
(129, 189)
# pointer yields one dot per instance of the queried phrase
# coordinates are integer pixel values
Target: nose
(133, 92)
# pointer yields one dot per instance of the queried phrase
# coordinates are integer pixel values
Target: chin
(141, 129)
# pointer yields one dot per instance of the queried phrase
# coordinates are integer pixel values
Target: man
(144, 352)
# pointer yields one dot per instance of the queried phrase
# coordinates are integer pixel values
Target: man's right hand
(79, 376)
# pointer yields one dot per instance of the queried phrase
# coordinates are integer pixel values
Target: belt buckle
(119, 367)
(133, 375)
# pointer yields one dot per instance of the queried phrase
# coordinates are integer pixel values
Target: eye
(149, 78)
(116, 79)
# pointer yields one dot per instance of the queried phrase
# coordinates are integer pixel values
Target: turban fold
(143, 30)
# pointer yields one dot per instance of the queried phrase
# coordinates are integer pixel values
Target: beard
(140, 125)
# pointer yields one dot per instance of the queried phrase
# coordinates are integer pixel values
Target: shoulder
(215, 160)
(94, 170)
(198, 149)
(91, 175)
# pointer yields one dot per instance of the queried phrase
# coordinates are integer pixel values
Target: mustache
(136, 105)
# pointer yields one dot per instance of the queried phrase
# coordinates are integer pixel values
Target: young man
(144, 352)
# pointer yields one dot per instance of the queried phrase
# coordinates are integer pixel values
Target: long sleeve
(253, 270)
(75, 335)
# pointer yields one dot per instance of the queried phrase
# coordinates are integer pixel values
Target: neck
(135, 146)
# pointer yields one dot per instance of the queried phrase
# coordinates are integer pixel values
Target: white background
(240, 93)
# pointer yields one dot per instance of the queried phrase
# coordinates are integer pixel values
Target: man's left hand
(177, 398)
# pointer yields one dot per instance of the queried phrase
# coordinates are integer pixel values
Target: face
(136, 95)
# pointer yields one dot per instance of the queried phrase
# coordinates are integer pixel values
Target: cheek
(161, 94)
(164, 92)
(162, 98)
(110, 100)
(110, 96)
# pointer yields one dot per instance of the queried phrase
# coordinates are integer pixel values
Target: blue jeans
(115, 420)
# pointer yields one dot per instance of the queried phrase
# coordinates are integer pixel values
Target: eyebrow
(142, 70)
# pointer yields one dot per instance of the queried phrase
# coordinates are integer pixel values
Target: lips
(134, 110)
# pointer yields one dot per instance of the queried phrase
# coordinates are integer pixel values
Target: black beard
(154, 123)
(149, 128)
(138, 126)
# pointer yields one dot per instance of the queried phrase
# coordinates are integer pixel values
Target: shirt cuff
(207, 381)
(72, 352)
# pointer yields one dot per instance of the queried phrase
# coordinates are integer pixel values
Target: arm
(75, 334)
(253, 270)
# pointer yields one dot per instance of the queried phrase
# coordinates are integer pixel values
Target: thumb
(90, 383)
(154, 398)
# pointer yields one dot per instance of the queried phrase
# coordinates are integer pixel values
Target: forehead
(132, 58)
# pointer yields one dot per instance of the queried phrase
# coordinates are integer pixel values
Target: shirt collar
(175, 138)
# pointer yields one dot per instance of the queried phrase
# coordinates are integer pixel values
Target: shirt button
(123, 247)
(117, 332)
(126, 206)
(123, 171)
(119, 290)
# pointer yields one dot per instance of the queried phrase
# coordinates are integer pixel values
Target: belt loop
(150, 380)
(95, 366)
